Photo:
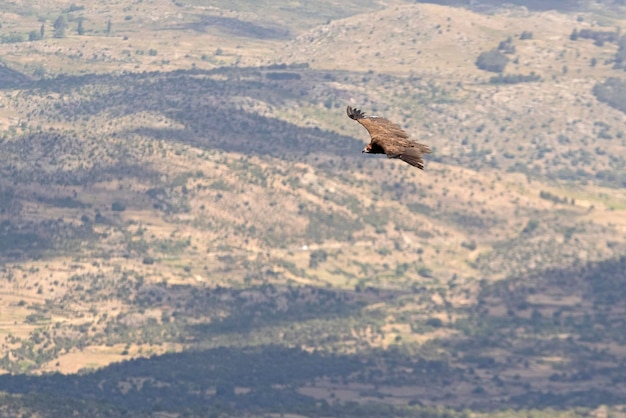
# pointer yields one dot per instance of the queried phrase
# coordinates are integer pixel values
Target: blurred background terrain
(188, 227)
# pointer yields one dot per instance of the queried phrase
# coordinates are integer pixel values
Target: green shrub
(118, 206)
(493, 61)
(612, 92)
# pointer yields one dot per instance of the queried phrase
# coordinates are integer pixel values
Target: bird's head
(367, 149)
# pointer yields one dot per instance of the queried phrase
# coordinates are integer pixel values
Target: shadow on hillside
(251, 134)
(265, 378)
(50, 159)
(11, 79)
(41, 179)
(256, 379)
(196, 380)
(573, 315)
(209, 110)
(490, 5)
(235, 27)
(54, 160)
(300, 314)
(20, 239)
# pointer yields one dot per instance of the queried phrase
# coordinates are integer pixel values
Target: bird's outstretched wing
(378, 127)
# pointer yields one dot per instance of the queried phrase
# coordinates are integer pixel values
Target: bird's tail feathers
(413, 156)
(355, 113)
(424, 149)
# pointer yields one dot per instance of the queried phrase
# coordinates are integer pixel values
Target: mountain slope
(191, 203)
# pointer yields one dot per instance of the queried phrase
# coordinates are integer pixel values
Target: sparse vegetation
(190, 230)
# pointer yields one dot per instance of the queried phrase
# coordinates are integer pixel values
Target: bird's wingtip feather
(354, 113)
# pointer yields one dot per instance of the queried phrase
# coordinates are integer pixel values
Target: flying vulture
(388, 138)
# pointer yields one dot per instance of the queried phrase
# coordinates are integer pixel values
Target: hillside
(195, 212)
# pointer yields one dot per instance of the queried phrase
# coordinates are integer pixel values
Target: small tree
(61, 22)
(59, 26)
(493, 61)
(118, 206)
(425, 272)
(317, 257)
(507, 46)
(620, 55)
(530, 226)
(34, 35)
(526, 35)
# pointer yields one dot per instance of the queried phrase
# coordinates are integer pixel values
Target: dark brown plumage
(388, 138)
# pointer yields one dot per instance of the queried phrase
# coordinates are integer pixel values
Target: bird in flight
(388, 138)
